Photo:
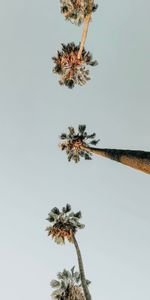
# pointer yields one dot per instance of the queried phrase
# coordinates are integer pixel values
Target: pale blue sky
(35, 174)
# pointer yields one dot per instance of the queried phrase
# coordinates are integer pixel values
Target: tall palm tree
(80, 145)
(68, 286)
(64, 225)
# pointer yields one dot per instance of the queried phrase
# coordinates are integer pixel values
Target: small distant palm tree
(79, 144)
(68, 286)
(64, 225)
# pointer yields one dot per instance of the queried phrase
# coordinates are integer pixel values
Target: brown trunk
(81, 268)
(85, 28)
(136, 159)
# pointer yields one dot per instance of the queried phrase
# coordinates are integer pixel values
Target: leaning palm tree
(79, 144)
(64, 225)
(68, 286)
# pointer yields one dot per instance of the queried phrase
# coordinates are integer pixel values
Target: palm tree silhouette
(65, 224)
(80, 145)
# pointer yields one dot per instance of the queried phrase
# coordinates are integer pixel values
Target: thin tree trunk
(136, 159)
(85, 28)
(81, 268)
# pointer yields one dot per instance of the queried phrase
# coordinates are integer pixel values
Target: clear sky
(35, 174)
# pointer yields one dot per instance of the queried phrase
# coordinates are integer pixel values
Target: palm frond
(71, 69)
(68, 286)
(76, 11)
(64, 224)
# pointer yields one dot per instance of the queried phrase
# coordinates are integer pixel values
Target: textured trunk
(136, 159)
(81, 268)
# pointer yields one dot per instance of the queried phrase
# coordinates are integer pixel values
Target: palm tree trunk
(85, 28)
(81, 268)
(136, 159)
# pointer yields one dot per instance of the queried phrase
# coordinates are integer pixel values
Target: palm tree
(80, 145)
(71, 68)
(68, 286)
(64, 225)
(76, 11)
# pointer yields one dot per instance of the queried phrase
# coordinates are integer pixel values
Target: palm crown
(68, 286)
(73, 143)
(65, 223)
(76, 10)
(70, 67)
